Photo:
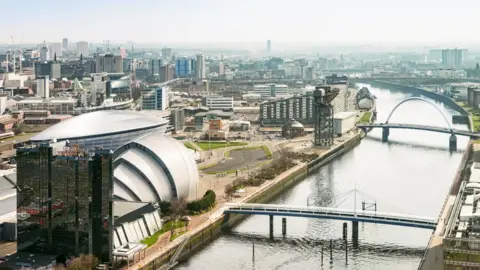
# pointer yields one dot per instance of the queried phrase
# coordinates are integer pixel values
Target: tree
(83, 262)
(179, 207)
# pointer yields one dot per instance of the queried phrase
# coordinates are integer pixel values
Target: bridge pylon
(385, 133)
(452, 143)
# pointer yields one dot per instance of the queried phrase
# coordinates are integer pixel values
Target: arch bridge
(449, 130)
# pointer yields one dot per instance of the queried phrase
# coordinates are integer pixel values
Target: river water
(409, 175)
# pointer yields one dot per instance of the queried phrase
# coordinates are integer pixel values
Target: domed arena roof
(154, 167)
(99, 123)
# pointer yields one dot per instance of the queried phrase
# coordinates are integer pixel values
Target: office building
(55, 50)
(44, 54)
(65, 44)
(271, 90)
(279, 112)
(269, 46)
(200, 68)
(109, 63)
(82, 49)
(154, 66)
(167, 54)
(453, 58)
(185, 67)
(218, 103)
(166, 73)
(66, 209)
(155, 99)
(43, 87)
(177, 119)
(50, 68)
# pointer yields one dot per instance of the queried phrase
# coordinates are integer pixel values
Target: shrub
(205, 203)
(165, 208)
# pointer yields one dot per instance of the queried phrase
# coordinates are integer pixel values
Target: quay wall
(213, 228)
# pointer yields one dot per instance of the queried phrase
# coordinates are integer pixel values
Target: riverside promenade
(209, 221)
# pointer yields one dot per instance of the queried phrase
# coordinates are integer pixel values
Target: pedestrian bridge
(421, 127)
(331, 213)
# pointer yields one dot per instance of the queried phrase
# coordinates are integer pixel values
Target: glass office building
(64, 201)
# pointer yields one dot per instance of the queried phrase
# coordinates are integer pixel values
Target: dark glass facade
(64, 201)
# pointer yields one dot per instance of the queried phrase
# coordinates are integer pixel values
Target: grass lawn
(216, 145)
(20, 137)
(365, 119)
(149, 241)
(189, 145)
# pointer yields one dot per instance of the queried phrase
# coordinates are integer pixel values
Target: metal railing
(326, 211)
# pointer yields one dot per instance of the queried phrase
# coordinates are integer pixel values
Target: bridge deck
(332, 213)
(422, 127)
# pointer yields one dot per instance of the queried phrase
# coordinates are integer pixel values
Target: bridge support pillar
(385, 133)
(284, 226)
(271, 226)
(452, 143)
(225, 222)
(355, 230)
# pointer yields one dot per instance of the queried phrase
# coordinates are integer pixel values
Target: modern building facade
(177, 119)
(218, 103)
(82, 49)
(271, 90)
(278, 112)
(102, 129)
(65, 201)
(166, 73)
(55, 50)
(155, 99)
(48, 68)
(109, 63)
(185, 67)
(43, 87)
(453, 58)
(200, 72)
(65, 44)
(44, 54)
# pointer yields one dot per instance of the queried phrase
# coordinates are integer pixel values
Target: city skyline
(368, 22)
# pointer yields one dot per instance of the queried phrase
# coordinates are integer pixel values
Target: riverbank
(419, 91)
(433, 258)
(211, 228)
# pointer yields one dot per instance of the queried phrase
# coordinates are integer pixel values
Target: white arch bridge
(448, 130)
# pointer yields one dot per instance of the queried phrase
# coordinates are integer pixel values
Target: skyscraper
(44, 54)
(55, 49)
(453, 58)
(167, 54)
(64, 199)
(269, 46)
(82, 48)
(65, 44)
(200, 68)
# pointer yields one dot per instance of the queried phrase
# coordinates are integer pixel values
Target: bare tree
(83, 262)
(179, 208)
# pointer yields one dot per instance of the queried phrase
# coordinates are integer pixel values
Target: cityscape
(157, 153)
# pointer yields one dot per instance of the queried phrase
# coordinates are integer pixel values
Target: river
(410, 175)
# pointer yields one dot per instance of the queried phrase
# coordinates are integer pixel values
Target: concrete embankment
(433, 258)
(209, 230)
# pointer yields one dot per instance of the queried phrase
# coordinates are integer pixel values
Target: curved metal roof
(99, 123)
(155, 167)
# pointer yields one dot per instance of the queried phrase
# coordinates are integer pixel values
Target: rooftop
(99, 123)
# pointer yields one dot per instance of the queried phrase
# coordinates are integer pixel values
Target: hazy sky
(431, 22)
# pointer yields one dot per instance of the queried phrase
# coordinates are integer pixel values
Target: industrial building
(218, 103)
(343, 122)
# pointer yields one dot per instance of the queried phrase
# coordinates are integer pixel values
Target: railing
(366, 214)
